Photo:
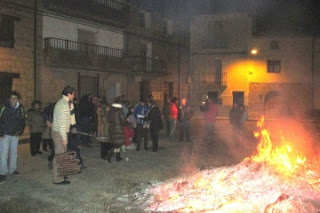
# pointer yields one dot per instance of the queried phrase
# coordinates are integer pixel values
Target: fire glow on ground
(276, 179)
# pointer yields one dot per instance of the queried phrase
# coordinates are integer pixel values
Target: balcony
(66, 53)
(78, 55)
(108, 12)
(217, 80)
(145, 65)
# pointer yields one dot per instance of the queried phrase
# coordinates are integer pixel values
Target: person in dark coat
(72, 135)
(140, 113)
(86, 111)
(35, 120)
(184, 116)
(103, 130)
(155, 120)
(12, 123)
(235, 117)
(166, 113)
(46, 135)
(116, 121)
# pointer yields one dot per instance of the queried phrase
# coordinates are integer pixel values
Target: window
(85, 39)
(148, 20)
(160, 25)
(238, 97)
(141, 20)
(87, 84)
(212, 75)
(169, 27)
(215, 35)
(6, 85)
(274, 45)
(274, 66)
(7, 31)
(86, 36)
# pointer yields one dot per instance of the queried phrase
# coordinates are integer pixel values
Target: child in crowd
(129, 130)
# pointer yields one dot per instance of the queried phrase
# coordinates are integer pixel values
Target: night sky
(300, 16)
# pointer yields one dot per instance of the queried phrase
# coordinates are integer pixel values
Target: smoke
(228, 146)
(215, 149)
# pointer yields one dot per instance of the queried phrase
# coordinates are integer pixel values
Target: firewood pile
(67, 164)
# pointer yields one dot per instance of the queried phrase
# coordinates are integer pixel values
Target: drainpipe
(35, 49)
(179, 71)
(312, 71)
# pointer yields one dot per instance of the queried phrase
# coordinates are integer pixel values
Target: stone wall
(289, 99)
(19, 59)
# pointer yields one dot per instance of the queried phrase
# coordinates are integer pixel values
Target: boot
(50, 164)
(109, 155)
(118, 156)
(103, 151)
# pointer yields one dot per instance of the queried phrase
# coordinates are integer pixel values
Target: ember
(276, 179)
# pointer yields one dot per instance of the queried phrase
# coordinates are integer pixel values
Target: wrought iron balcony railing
(110, 3)
(219, 79)
(81, 47)
(101, 11)
(61, 52)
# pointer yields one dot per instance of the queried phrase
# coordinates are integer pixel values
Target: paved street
(104, 187)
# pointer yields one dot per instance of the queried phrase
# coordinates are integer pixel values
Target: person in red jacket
(173, 116)
(128, 132)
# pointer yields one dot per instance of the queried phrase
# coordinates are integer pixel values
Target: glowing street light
(254, 51)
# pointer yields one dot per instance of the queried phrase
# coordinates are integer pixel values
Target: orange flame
(283, 158)
(229, 189)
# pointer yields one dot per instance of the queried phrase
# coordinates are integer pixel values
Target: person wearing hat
(35, 120)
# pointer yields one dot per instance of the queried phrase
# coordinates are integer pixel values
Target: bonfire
(276, 179)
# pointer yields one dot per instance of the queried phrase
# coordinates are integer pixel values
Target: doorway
(6, 80)
(238, 97)
(168, 90)
(213, 95)
(144, 89)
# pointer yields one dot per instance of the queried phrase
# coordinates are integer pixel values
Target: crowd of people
(118, 126)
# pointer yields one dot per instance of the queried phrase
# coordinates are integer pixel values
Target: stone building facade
(130, 52)
(281, 76)
(17, 50)
(108, 48)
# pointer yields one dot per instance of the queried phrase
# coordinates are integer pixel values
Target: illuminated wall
(290, 74)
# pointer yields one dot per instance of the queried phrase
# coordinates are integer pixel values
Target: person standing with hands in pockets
(12, 123)
(62, 121)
